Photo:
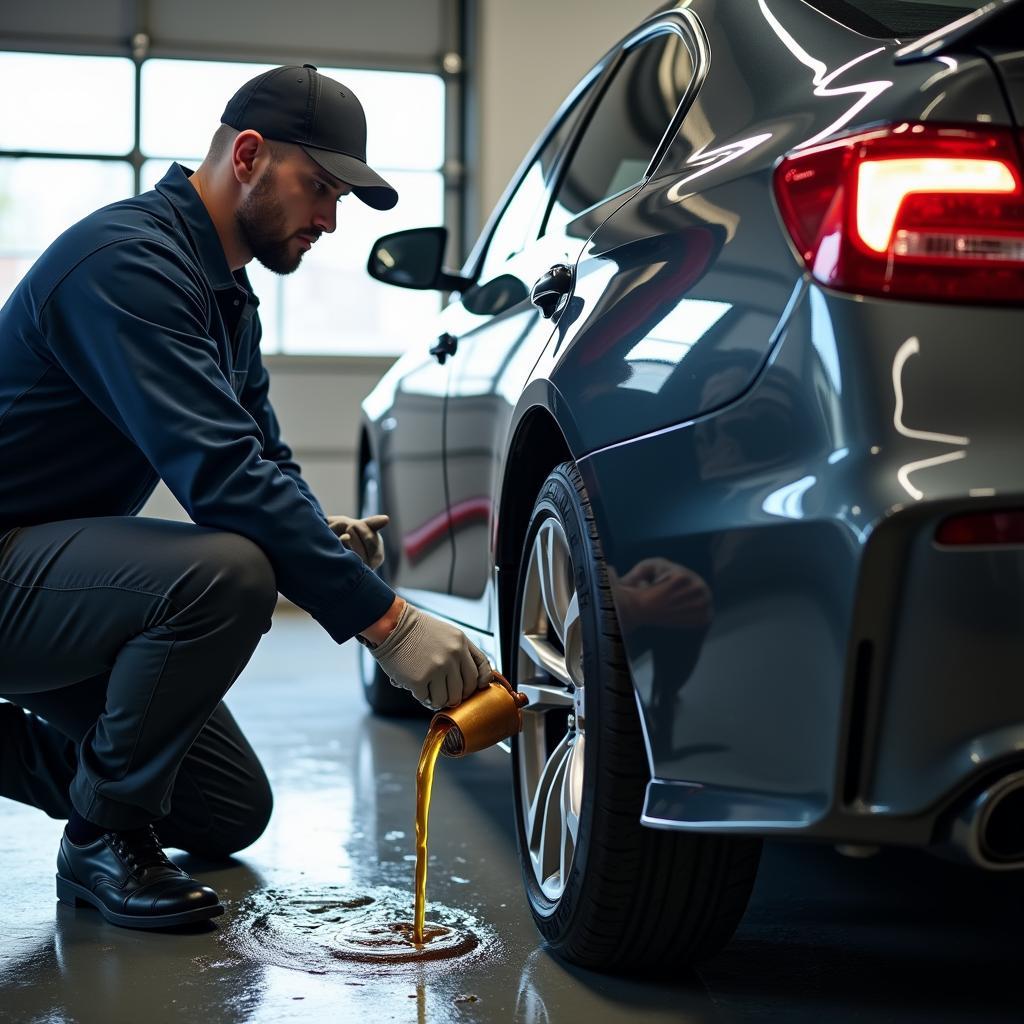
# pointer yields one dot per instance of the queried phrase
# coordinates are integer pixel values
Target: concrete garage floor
(897, 938)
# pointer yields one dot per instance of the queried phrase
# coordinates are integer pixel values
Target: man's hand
(437, 662)
(658, 592)
(362, 536)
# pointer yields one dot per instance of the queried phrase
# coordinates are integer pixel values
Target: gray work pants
(118, 638)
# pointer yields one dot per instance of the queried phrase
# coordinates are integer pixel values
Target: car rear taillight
(982, 528)
(910, 210)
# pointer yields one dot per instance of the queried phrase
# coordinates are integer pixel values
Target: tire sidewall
(559, 497)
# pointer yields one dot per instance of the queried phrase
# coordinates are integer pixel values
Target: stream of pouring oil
(424, 784)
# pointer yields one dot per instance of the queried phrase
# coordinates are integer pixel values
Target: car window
(523, 210)
(626, 126)
(520, 221)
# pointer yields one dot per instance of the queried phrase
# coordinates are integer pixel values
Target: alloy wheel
(551, 744)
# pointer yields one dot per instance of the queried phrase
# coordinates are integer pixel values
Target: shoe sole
(78, 896)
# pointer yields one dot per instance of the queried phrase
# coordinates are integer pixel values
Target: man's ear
(246, 148)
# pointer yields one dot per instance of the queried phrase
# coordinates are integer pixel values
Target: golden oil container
(489, 716)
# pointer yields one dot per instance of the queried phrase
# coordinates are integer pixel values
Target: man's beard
(261, 221)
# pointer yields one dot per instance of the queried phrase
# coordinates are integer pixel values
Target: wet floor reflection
(898, 938)
(326, 930)
(83, 970)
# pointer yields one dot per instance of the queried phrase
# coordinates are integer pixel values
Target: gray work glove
(362, 536)
(435, 661)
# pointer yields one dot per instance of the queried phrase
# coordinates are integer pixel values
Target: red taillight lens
(983, 528)
(910, 210)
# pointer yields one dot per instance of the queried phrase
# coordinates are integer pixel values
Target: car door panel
(492, 366)
(591, 175)
(666, 324)
(500, 337)
(408, 424)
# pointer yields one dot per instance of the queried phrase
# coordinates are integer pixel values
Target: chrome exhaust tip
(988, 830)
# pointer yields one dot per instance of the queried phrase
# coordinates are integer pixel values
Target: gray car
(716, 451)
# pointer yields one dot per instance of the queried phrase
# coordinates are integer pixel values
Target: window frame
(474, 261)
(683, 23)
(687, 27)
(576, 106)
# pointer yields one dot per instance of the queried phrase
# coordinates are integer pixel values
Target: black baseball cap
(298, 104)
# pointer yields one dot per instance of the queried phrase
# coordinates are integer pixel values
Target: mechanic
(130, 351)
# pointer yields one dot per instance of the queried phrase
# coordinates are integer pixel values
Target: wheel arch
(538, 444)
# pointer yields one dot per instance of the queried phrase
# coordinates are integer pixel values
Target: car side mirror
(495, 296)
(413, 259)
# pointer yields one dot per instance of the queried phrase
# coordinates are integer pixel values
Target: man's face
(292, 203)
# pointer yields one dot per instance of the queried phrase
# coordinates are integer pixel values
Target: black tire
(635, 899)
(384, 699)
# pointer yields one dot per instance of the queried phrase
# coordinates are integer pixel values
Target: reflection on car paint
(421, 539)
(951, 67)
(654, 357)
(711, 160)
(822, 78)
(911, 347)
(787, 500)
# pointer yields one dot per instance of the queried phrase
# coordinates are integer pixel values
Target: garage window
(56, 100)
(60, 160)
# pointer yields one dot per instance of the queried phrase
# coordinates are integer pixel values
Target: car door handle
(445, 347)
(551, 289)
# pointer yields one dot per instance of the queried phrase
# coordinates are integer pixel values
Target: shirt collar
(177, 189)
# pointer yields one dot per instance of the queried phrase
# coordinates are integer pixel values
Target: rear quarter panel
(681, 293)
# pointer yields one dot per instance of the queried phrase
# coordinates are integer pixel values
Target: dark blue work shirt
(130, 352)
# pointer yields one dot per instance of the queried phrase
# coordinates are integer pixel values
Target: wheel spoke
(568, 822)
(554, 587)
(532, 758)
(572, 642)
(552, 833)
(537, 572)
(546, 656)
(543, 698)
(574, 786)
(546, 781)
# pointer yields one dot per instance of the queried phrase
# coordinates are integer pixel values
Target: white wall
(317, 403)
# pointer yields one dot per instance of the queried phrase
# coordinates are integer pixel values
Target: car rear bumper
(855, 682)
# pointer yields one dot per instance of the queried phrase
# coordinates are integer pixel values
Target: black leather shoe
(127, 878)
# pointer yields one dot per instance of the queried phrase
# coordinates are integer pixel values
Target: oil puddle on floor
(335, 930)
